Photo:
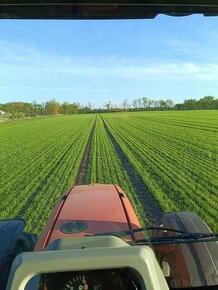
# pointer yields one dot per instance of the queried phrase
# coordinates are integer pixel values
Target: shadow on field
(153, 210)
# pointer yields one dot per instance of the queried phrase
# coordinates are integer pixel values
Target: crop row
(106, 167)
(177, 163)
(43, 162)
(174, 153)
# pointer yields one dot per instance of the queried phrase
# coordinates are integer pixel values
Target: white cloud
(113, 57)
(26, 71)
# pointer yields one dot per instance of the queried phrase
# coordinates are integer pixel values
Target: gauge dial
(83, 282)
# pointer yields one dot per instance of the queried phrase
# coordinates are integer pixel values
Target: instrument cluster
(116, 279)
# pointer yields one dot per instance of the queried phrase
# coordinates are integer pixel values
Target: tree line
(206, 103)
(53, 107)
(141, 103)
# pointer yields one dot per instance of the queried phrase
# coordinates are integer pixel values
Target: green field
(172, 157)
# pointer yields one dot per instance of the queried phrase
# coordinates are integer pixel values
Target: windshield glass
(126, 102)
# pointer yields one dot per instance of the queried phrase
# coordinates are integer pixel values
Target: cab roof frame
(107, 9)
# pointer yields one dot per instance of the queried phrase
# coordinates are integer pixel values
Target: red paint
(100, 206)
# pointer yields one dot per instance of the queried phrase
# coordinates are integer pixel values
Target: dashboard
(116, 279)
(90, 263)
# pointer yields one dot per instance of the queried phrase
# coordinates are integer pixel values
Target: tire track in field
(152, 208)
(43, 182)
(82, 173)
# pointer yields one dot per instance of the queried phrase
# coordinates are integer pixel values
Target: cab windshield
(182, 256)
(126, 102)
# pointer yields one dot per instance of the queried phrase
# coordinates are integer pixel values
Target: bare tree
(156, 104)
(125, 104)
(150, 103)
(134, 104)
(139, 101)
(108, 105)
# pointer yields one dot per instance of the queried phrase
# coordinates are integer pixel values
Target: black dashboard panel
(116, 279)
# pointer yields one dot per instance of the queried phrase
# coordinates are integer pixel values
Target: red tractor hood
(88, 210)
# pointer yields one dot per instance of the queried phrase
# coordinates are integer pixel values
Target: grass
(174, 153)
(105, 167)
(40, 159)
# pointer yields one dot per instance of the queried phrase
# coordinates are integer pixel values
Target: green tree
(190, 104)
(145, 102)
(206, 103)
(169, 103)
(52, 107)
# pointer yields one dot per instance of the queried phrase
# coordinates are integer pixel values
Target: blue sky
(98, 61)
